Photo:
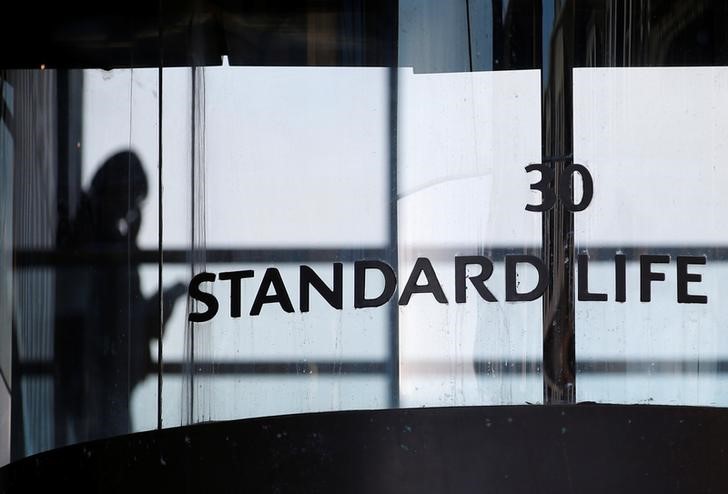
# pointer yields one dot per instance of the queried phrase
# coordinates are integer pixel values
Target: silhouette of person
(106, 324)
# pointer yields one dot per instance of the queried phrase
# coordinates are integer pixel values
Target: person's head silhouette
(116, 194)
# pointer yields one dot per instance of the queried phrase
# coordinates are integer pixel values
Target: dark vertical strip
(17, 419)
(393, 363)
(193, 149)
(69, 84)
(69, 90)
(62, 233)
(160, 224)
(129, 266)
(470, 36)
(498, 35)
(558, 240)
(63, 116)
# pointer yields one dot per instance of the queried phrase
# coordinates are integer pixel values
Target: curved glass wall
(361, 205)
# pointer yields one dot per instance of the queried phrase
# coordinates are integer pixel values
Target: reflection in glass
(100, 358)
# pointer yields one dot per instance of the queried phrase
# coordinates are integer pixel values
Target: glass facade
(221, 212)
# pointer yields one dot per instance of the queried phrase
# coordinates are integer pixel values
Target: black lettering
(423, 265)
(583, 282)
(512, 294)
(683, 278)
(647, 276)
(565, 185)
(548, 198)
(235, 278)
(204, 297)
(280, 296)
(309, 278)
(390, 284)
(486, 270)
(620, 277)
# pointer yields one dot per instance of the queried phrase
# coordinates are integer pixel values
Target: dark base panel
(536, 449)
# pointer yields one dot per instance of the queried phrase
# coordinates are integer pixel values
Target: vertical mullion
(558, 240)
(393, 241)
(193, 152)
(160, 294)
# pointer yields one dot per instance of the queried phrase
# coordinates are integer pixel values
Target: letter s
(204, 297)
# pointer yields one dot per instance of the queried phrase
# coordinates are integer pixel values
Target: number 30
(548, 198)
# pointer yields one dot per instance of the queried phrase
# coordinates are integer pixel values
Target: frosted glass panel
(655, 141)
